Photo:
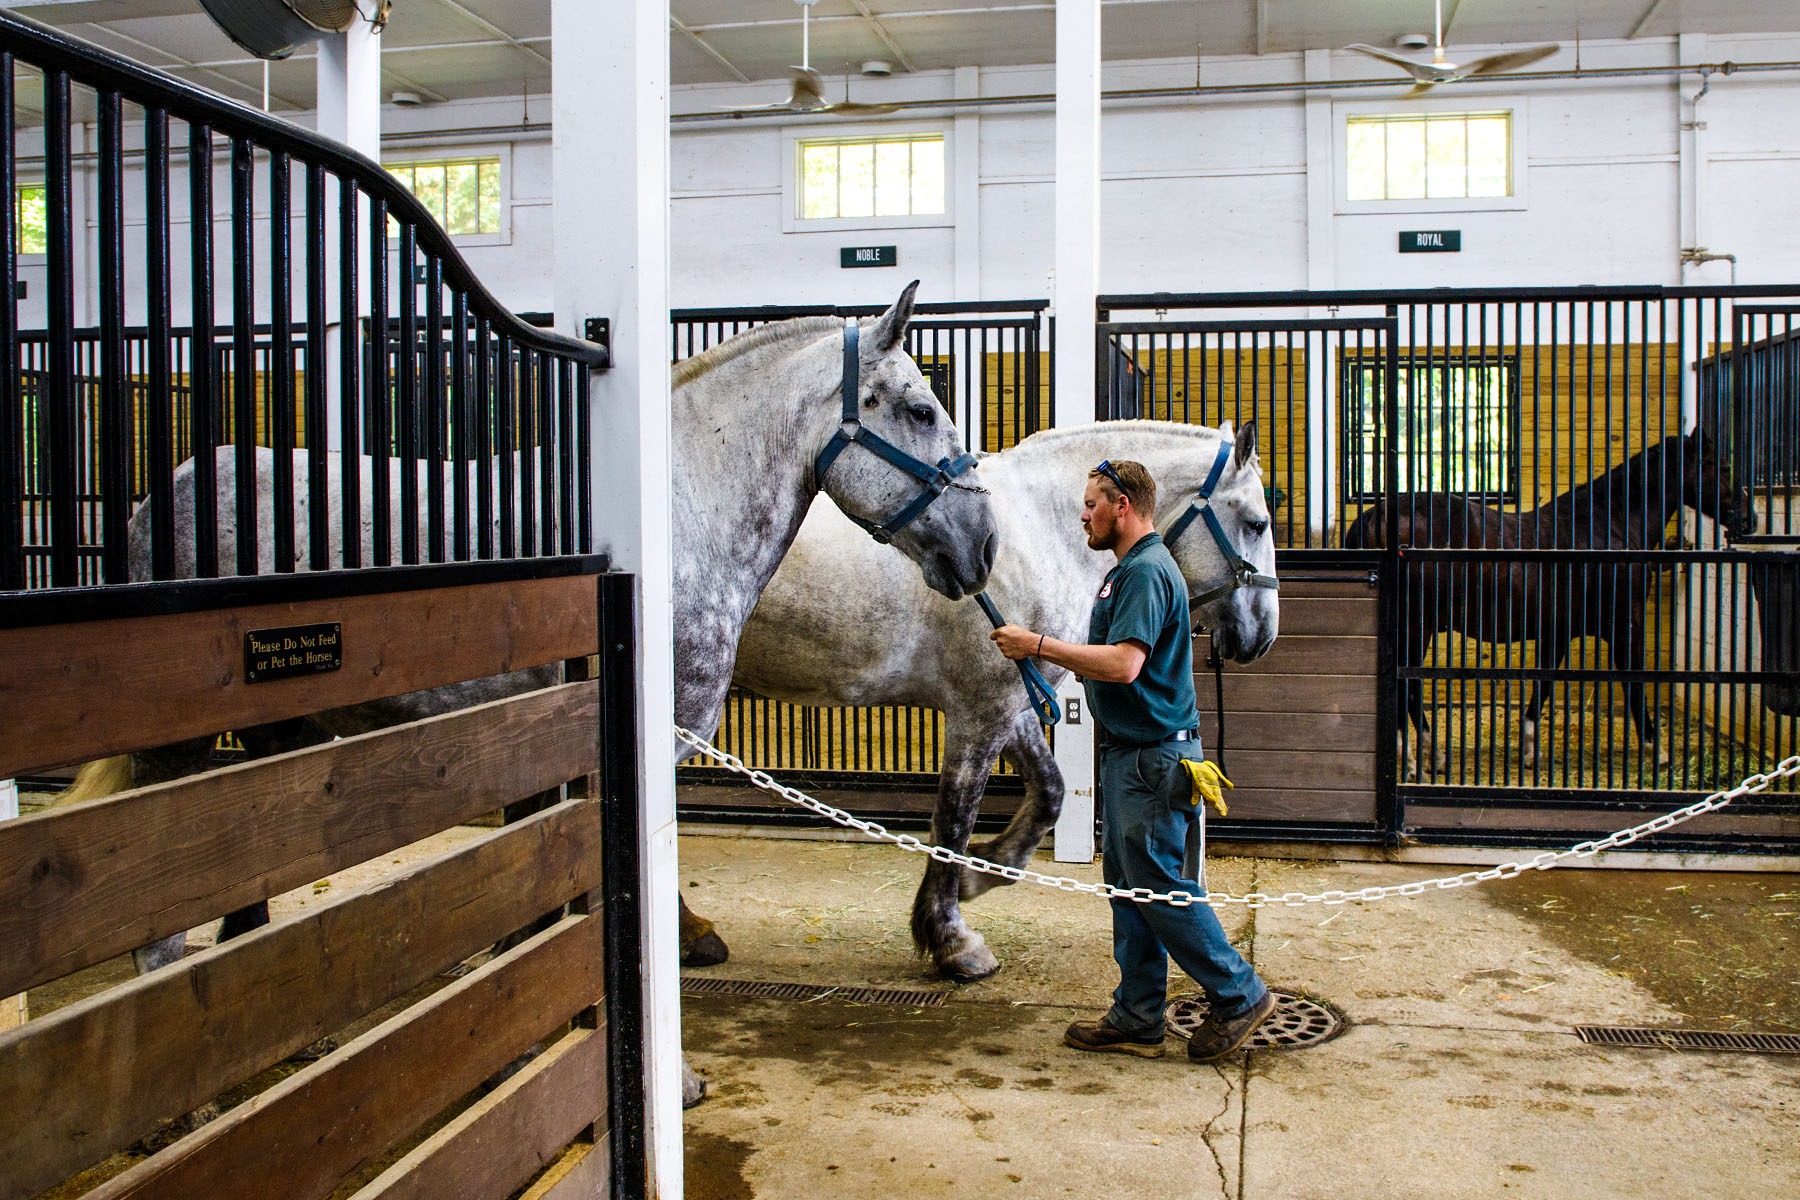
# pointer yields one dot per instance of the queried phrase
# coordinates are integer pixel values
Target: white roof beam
(477, 19)
(386, 51)
(178, 63)
(1650, 14)
(886, 38)
(678, 27)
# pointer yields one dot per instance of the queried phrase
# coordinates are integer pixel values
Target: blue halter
(1242, 573)
(854, 431)
(1037, 688)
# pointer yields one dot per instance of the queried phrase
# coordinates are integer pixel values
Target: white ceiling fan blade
(851, 106)
(1512, 60)
(1423, 72)
(1386, 56)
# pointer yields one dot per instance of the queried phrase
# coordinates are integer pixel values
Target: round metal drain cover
(1297, 1021)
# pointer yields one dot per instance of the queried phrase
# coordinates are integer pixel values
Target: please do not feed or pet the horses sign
(292, 650)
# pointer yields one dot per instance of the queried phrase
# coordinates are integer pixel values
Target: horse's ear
(1246, 445)
(1225, 430)
(890, 327)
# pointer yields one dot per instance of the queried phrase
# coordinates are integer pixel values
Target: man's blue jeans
(1148, 813)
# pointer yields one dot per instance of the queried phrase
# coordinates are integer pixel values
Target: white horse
(843, 624)
(751, 418)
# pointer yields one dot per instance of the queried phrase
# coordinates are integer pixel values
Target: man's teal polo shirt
(1144, 599)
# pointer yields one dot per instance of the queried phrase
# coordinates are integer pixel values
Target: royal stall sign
(1430, 241)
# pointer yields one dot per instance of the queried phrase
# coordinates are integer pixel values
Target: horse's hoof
(970, 966)
(707, 950)
(693, 1088)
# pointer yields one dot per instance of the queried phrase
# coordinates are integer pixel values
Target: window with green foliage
(1458, 425)
(1428, 156)
(32, 234)
(871, 177)
(462, 193)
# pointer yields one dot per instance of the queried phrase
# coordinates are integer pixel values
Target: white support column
(1077, 284)
(1691, 155)
(610, 167)
(349, 71)
(1321, 275)
(966, 137)
(349, 111)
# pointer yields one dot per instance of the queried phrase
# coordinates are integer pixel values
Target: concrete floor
(1459, 1074)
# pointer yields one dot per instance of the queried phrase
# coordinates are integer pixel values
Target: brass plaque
(294, 650)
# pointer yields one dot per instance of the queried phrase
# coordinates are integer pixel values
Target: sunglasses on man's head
(1106, 468)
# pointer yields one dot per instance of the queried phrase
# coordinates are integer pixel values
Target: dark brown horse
(1626, 508)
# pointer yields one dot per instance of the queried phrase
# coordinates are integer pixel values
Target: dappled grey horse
(843, 624)
(752, 419)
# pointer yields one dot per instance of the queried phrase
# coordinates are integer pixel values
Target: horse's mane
(1048, 439)
(1629, 478)
(690, 369)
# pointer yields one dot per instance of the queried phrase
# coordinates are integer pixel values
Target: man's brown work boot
(1219, 1037)
(1107, 1039)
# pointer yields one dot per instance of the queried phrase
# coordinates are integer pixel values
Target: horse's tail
(102, 777)
(1368, 530)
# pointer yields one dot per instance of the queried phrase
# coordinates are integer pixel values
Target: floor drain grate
(1297, 1021)
(1689, 1039)
(706, 985)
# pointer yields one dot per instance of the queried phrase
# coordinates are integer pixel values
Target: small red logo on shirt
(1106, 589)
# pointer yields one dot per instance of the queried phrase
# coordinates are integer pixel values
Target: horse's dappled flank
(690, 369)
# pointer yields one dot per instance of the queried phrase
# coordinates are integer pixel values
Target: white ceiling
(461, 49)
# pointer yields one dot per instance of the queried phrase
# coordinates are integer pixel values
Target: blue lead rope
(1043, 699)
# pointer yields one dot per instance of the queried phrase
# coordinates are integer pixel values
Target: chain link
(1542, 862)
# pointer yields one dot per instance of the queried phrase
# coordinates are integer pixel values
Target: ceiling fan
(808, 94)
(1441, 70)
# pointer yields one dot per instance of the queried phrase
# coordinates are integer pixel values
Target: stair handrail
(49, 49)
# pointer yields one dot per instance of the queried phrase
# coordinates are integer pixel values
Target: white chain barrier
(1543, 862)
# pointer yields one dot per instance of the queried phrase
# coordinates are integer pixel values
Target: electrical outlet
(1072, 712)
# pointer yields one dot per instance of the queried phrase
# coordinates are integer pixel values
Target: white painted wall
(1198, 194)
(1212, 193)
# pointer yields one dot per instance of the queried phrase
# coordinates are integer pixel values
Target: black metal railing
(991, 365)
(359, 325)
(989, 361)
(1518, 465)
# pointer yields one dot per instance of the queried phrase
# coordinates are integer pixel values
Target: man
(1137, 668)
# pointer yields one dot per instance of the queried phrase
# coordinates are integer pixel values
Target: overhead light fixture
(406, 99)
(276, 28)
(878, 68)
(1413, 41)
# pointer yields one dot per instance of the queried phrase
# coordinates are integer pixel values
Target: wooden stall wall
(1299, 730)
(454, 958)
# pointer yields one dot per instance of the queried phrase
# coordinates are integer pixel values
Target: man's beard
(1106, 541)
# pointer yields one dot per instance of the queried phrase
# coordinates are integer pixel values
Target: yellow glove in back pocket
(1209, 783)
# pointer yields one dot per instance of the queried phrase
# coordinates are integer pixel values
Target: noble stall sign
(293, 650)
(868, 256)
(1430, 241)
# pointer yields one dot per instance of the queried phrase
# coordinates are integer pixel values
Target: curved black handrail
(42, 46)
